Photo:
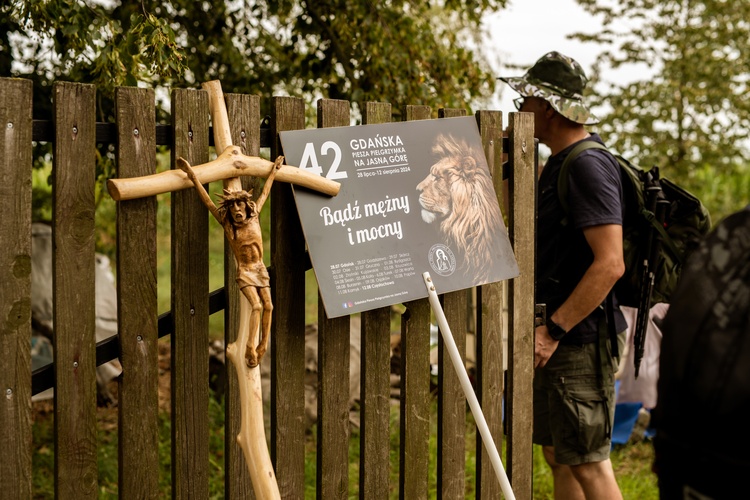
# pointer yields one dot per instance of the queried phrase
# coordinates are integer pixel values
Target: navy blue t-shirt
(594, 198)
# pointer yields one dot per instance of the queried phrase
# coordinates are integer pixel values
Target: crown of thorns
(230, 197)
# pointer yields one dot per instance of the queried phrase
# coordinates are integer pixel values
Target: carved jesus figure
(238, 215)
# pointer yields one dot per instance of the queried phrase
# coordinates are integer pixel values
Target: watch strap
(555, 331)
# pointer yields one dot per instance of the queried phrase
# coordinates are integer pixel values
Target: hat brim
(572, 109)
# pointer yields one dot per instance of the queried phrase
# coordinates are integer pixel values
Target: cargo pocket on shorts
(586, 411)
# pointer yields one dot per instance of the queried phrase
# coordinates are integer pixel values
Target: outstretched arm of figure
(205, 198)
(269, 182)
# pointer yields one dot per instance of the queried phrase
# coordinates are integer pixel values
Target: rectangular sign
(415, 196)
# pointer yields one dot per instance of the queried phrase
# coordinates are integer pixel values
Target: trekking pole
(656, 204)
(471, 397)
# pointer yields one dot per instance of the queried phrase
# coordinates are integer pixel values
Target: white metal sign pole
(471, 397)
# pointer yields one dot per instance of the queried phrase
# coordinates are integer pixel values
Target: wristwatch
(555, 331)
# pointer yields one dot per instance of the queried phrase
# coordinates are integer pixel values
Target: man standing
(579, 260)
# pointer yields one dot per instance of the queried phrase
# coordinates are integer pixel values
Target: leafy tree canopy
(694, 111)
(398, 51)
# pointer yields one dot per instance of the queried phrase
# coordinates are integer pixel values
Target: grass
(632, 464)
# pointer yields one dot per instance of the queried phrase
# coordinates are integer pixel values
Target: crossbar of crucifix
(255, 296)
(228, 166)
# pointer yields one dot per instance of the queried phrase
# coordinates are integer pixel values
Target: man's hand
(544, 346)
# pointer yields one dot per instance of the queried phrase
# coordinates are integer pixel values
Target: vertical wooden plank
(376, 112)
(451, 452)
(15, 292)
(189, 304)
(489, 334)
(288, 328)
(243, 112)
(414, 457)
(415, 384)
(451, 112)
(522, 187)
(333, 368)
(374, 429)
(73, 291)
(416, 112)
(137, 310)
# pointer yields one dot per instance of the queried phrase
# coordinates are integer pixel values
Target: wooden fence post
(137, 310)
(522, 185)
(15, 276)
(374, 432)
(414, 456)
(489, 332)
(451, 451)
(74, 291)
(189, 304)
(333, 369)
(288, 328)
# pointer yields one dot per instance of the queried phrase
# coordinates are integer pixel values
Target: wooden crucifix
(238, 214)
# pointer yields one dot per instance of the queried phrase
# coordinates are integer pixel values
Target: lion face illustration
(435, 193)
(459, 197)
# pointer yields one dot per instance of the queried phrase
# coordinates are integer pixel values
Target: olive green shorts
(573, 410)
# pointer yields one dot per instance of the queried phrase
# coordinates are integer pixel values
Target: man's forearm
(607, 267)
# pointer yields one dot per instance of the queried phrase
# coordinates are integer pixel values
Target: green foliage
(81, 41)
(722, 191)
(694, 110)
(397, 52)
(41, 193)
(400, 52)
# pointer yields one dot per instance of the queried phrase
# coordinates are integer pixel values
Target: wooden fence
(74, 133)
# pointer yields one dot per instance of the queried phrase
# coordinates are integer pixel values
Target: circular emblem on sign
(442, 260)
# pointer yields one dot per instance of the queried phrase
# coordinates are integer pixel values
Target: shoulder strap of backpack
(562, 180)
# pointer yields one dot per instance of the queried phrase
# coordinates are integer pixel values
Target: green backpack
(663, 224)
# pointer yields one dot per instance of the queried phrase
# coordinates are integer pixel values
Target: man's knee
(589, 471)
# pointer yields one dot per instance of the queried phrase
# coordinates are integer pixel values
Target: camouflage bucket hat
(560, 81)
